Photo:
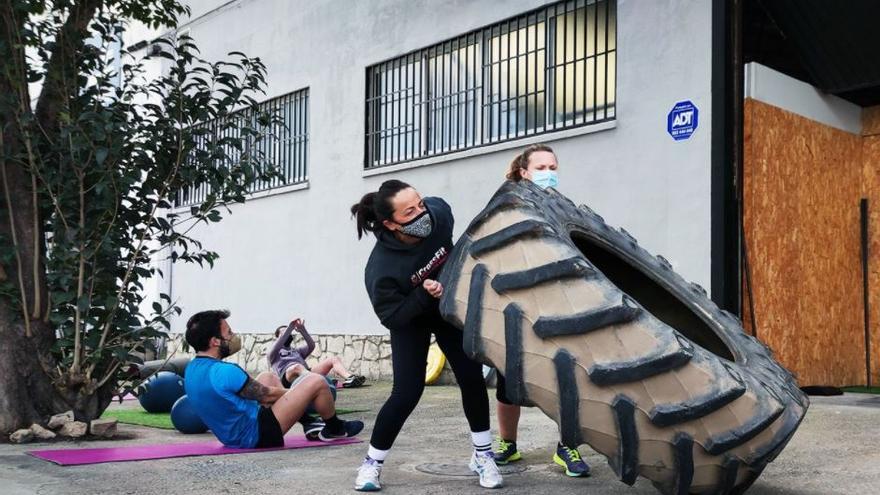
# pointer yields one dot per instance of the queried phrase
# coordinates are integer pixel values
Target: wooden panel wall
(802, 185)
(871, 121)
(871, 190)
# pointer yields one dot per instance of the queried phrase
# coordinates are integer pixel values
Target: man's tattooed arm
(255, 390)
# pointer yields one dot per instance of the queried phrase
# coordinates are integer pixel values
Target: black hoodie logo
(422, 274)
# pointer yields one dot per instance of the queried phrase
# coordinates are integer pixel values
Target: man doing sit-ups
(242, 411)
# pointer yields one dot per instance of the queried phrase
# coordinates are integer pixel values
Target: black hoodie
(396, 270)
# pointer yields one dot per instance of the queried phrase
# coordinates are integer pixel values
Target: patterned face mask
(419, 226)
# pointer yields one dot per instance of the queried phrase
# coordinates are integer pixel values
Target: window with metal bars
(284, 143)
(546, 70)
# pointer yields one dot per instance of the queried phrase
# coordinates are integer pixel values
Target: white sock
(482, 440)
(376, 454)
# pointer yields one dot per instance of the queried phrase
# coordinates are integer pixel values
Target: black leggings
(409, 353)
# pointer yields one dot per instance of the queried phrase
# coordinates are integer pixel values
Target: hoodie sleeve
(395, 309)
(443, 213)
(309, 346)
(272, 354)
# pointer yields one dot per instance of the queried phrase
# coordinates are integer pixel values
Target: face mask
(229, 347)
(545, 178)
(419, 226)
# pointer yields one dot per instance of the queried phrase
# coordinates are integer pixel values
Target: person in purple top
(289, 363)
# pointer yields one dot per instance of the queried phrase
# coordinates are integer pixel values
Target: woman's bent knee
(269, 379)
(315, 381)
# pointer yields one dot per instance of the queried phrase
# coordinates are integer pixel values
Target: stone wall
(368, 355)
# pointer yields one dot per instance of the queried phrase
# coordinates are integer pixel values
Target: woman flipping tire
(413, 241)
(617, 348)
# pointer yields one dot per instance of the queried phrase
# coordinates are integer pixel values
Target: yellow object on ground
(436, 361)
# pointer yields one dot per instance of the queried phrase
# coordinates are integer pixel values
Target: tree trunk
(27, 394)
(27, 368)
(26, 391)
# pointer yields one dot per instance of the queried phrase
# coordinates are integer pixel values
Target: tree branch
(37, 241)
(27, 323)
(62, 65)
(77, 320)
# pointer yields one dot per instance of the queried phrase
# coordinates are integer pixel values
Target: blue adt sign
(682, 120)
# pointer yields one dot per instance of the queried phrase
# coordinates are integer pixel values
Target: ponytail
(513, 171)
(375, 207)
(521, 161)
(365, 216)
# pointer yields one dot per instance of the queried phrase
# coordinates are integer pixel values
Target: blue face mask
(545, 178)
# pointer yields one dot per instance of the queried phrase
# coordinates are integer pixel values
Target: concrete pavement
(834, 452)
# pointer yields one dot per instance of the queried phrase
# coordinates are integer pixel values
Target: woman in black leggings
(413, 240)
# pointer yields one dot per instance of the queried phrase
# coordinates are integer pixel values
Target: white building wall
(296, 254)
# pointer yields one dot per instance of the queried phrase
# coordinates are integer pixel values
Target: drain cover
(462, 469)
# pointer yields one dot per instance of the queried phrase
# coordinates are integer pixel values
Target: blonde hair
(521, 161)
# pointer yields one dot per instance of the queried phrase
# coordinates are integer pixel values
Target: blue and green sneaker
(506, 452)
(571, 460)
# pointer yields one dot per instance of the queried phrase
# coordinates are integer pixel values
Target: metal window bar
(485, 87)
(284, 145)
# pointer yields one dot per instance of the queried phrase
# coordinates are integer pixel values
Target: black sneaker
(354, 381)
(349, 429)
(312, 427)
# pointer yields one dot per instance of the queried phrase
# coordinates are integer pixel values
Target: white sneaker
(368, 476)
(483, 463)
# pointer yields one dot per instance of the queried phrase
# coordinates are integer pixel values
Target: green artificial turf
(163, 420)
(862, 390)
(140, 417)
(343, 411)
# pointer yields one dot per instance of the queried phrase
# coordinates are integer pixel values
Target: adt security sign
(682, 120)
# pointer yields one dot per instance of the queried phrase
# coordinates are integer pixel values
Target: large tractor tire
(618, 349)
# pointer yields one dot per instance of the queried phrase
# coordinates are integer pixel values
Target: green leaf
(83, 303)
(101, 155)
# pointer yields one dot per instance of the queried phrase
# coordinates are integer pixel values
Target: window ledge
(492, 148)
(257, 195)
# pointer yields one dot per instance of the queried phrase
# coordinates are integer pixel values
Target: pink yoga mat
(76, 457)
